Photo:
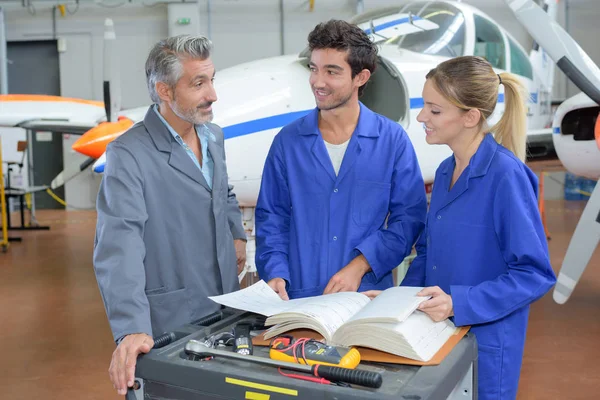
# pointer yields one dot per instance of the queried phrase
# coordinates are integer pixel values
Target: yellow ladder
(4, 241)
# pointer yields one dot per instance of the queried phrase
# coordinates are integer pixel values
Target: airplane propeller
(582, 71)
(569, 56)
(112, 100)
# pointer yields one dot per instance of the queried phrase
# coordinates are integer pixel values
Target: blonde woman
(483, 255)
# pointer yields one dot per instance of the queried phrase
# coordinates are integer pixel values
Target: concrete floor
(57, 343)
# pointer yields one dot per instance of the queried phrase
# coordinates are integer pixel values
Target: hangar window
(489, 42)
(519, 62)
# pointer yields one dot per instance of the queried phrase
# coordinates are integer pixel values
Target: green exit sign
(183, 21)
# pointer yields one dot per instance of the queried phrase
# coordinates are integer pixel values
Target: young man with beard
(342, 198)
(169, 227)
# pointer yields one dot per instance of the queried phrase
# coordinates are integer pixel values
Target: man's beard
(335, 102)
(194, 116)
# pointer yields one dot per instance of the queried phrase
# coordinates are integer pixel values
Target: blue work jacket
(311, 223)
(484, 244)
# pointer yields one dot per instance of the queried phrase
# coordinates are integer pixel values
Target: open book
(390, 323)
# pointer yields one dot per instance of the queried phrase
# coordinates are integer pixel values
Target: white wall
(242, 30)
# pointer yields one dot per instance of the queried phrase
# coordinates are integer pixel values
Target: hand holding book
(278, 285)
(439, 307)
(391, 322)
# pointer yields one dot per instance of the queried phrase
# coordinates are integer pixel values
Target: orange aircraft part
(93, 143)
(597, 131)
(43, 97)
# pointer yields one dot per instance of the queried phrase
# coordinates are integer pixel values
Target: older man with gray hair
(169, 231)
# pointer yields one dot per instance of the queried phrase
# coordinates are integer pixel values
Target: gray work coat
(164, 239)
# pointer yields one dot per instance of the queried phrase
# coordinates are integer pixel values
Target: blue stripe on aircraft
(534, 97)
(262, 124)
(277, 121)
(416, 102)
(556, 130)
(390, 24)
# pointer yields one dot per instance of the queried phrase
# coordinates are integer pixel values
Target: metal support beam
(3, 56)
(209, 19)
(360, 6)
(281, 29)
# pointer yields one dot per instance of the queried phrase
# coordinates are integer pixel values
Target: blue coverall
(484, 245)
(311, 223)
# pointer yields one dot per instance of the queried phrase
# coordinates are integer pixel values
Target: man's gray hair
(164, 61)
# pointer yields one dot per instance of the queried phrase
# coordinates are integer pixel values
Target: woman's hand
(439, 307)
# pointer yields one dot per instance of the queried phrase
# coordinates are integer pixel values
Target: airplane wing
(394, 25)
(560, 46)
(55, 114)
(387, 27)
(583, 244)
(50, 113)
(578, 66)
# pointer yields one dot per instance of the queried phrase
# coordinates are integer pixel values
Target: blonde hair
(470, 82)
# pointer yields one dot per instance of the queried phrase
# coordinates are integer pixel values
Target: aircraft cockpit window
(448, 40)
(489, 42)
(519, 62)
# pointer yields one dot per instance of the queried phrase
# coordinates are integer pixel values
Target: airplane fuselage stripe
(277, 121)
(262, 124)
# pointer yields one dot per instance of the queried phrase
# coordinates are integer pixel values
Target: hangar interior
(58, 340)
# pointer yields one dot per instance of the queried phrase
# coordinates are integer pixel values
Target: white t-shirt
(336, 153)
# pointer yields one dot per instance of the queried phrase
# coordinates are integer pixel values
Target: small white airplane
(576, 128)
(69, 115)
(257, 98)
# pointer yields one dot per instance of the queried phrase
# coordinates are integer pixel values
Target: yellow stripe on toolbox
(260, 386)
(257, 396)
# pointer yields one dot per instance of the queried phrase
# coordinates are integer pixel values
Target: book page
(328, 311)
(392, 305)
(418, 337)
(258, 298)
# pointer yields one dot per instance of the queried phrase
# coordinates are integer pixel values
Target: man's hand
(240, 254)
(124, 358)
(348, 278)
(278, 285)
(439, 307)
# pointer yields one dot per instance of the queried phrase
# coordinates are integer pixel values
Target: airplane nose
(93, 143)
